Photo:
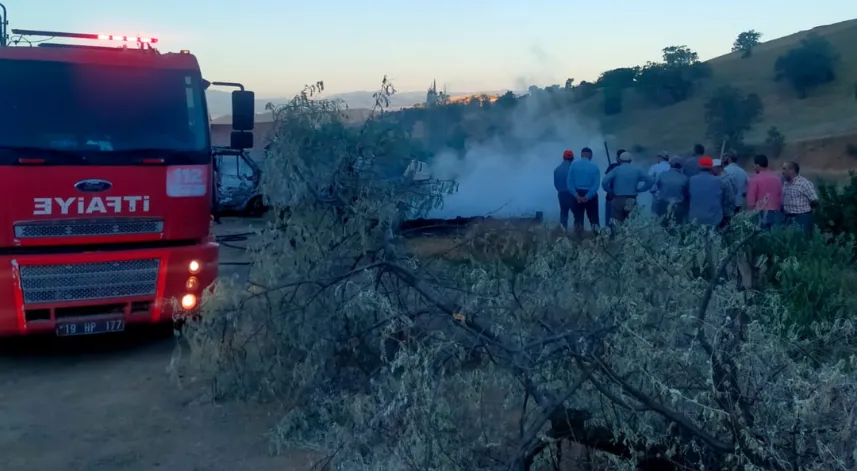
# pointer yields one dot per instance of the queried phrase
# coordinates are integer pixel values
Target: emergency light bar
(100, 37)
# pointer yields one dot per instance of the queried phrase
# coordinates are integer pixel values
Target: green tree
(811, 64)
(678, 56)
(729, 113)
(507, 100)
(569, 83)
(745, 42)
(671, 81)
(776, 141)
(585, 90)
(485, 101)
(442, 98)
(620, 78)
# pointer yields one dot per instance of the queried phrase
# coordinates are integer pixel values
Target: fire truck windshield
(100, 114)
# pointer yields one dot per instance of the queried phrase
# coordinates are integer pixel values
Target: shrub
(851, 149)
(729, 113)
(385, 360)
(813, 276)
(837, 210)
(809, 65)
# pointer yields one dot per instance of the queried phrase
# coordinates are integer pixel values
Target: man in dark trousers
(625, 182)
(560, 182)
(584, 178)
(609, 197)
(690, 166)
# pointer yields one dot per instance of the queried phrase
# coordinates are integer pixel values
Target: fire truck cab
(106, 182)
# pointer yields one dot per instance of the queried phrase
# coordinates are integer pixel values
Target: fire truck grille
(88, 281)
(88, 227)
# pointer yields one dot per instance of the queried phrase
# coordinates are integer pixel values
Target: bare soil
(107, 403)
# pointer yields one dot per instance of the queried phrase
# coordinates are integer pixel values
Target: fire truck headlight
(194, 267)
(192, 283)
(188, 302)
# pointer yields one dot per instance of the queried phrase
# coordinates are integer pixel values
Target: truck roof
(103, 56)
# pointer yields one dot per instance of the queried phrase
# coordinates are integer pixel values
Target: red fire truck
(106, 182)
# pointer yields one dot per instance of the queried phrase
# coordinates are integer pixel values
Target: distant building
(434, 97)
(431, 95)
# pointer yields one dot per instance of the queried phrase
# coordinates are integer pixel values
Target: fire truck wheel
(256, 207)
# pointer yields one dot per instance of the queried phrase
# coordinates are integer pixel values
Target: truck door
(237, 183)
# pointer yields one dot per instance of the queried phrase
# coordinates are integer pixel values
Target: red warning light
(133, 39)
(102, 37)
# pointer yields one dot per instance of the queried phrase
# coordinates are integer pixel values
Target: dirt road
(107, 403)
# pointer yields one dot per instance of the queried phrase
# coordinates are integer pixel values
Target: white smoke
(498, 180)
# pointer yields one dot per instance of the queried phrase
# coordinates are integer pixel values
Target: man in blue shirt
(670, 192)
(711, 197)
(625, 182)
(560, 183)
(584, 178)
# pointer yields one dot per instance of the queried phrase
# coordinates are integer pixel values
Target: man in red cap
(710, 196)
(560, 182)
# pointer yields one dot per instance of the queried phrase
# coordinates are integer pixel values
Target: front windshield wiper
(37, 155)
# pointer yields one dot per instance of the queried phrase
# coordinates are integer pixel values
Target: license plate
(90, 327)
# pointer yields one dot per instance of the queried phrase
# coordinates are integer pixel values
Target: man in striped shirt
(799, 197)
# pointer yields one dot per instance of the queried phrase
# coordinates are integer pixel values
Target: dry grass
(828, 112)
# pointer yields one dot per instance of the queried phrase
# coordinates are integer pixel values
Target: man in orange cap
(560, 182)
(710, 196)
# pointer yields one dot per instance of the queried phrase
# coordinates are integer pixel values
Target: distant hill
(220, 102)
(828, 114)
(351, 115)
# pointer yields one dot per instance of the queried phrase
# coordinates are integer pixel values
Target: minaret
(431, 95)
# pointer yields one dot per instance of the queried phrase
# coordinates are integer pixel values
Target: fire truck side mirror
(243, 110)
(241, 140)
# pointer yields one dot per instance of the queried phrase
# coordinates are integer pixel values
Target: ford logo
(93, 186)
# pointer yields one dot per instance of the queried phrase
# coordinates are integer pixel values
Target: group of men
(696, 189)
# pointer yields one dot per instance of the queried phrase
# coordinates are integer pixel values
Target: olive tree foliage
(484, 357)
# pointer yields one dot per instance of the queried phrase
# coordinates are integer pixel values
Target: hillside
(829, 113)
(220, 102)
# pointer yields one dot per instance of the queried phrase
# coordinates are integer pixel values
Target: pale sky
(274, 47)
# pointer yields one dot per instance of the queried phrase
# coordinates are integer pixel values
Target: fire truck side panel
(39, 291)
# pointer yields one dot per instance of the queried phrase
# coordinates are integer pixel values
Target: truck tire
(256, 207)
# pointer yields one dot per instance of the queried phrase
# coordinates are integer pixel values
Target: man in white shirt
(737, 176)
(662, 166)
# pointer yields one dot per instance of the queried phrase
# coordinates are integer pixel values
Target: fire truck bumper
(99, 292)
